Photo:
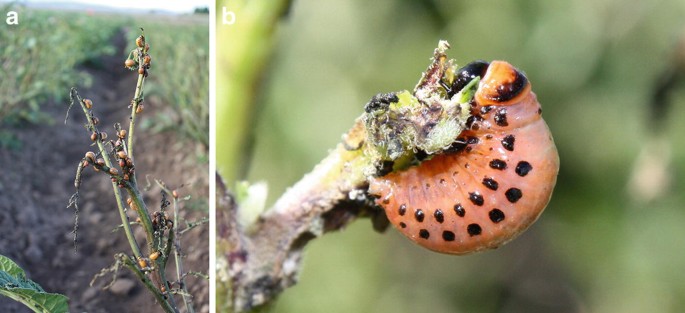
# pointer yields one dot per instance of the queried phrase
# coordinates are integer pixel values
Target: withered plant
(114, 158)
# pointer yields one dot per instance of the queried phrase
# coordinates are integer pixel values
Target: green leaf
(15, 285)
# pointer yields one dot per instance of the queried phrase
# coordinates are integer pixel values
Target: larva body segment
(491, 186)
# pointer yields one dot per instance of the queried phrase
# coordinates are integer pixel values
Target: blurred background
(606, 73)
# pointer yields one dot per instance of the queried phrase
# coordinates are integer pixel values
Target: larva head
(491, 186)
(502, 85)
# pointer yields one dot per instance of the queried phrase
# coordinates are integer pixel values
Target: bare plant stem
(179, 263)
(134, 107)
(117, 193)
(175, 239)
(137, 99)
(143, 213)
(161, 298)
(265, 259)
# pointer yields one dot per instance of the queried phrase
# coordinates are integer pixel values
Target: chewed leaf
(15, 285)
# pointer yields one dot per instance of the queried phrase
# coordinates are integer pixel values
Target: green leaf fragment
(15, 285)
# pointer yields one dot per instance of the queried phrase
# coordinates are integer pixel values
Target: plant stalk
(131, 264)
(117, 193)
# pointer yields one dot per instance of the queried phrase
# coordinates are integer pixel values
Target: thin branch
(105, 156)
(175, 239)
(162, 299)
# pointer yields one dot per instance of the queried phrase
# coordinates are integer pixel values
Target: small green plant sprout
(15, 285)
(113, 157)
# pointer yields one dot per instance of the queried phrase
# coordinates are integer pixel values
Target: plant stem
(178, 261)
(243, 53)
(131, 264)
(117, 193)
(272, 248)
(141, 209)
(134, 107)
(175, 239)
(124, 219)
(137, 99)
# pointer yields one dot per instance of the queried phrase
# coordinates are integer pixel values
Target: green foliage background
(41, 58)
(593, 65)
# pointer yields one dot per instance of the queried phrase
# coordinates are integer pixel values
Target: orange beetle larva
(492, 184)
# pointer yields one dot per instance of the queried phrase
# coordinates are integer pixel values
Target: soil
(37, 180)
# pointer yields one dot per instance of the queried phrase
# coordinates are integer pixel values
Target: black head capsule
(465, 74)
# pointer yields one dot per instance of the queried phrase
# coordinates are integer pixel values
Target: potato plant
(113, 157)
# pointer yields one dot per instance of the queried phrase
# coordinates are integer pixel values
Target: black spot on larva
(448, 235)
(513, 194)
(523, 168)
(488, 136)
(419, 215)
(508, 142)
(403, 225)
(423, 233)
(539, 111)
(485, 109)
(473, 229)
(457, 145)
(476, 198)
(501, 117)
(473, 120)
(402, 209)
(510, 90)
(468, 149)
(490, 183)
(459, 209)
(472, 140)
(498, 164)
(439, 216)
(496, 215)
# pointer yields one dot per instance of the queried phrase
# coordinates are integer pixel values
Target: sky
(179, 6)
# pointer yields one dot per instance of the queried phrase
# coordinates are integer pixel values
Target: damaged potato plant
(114, 158)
